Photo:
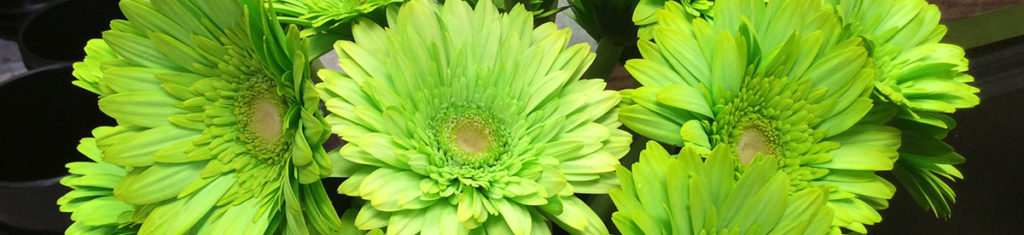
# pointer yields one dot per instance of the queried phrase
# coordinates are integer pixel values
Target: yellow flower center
(472, 136)
(259, 112)
(753, 141)
(266, 121)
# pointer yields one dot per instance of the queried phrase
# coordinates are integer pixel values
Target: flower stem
(608, 53)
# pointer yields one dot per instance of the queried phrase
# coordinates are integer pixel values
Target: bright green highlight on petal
(686, 194)
(465, 120)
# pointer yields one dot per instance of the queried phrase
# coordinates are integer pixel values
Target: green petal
(650, 124)
(440, 219)
(139, 151)
(685, 97)
(516, 216)
(179, 215)
(147, 109)
(157, 183)
(865, 147)
(577, 217)
(370, 218)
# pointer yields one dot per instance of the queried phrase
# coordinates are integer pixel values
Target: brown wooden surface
(957, 9)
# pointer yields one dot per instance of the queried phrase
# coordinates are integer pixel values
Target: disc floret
(259, 111)
(470, 136)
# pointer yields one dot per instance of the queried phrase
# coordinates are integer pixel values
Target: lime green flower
(218, 126)
(684, 195)
(769, 80)
(644, 17)
(91, 202)
(468, 120)
(925, 79)
(915, 71)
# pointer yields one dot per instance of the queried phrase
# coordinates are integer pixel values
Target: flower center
(259, 111)
(266, 121)
(469, 136)
(752, 141)
(472, 136)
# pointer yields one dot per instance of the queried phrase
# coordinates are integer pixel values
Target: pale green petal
(758, 202)
(157, 183)
(178, 216)
(142, 108)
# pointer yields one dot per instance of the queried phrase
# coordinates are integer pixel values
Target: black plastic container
(58, 33)
(13, 14)
(42, 118)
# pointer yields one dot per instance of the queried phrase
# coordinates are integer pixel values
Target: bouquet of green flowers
(479, 117)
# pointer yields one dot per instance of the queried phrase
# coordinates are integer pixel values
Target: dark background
(989, 136)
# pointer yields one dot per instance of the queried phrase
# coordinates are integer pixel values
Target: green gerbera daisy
(91, 201)
(915, 71)
(770, 80)
(684, 195)
(925, 79)
(466, 120)
(218, 126)
(644, 17)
